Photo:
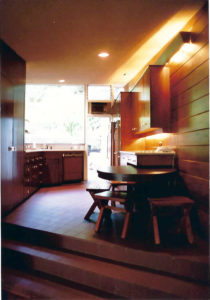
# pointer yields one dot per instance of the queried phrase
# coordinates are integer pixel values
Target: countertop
(53, 150)
(148, 152)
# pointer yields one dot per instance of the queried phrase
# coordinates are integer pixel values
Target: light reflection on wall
(159, 136)
(183, 53)
(154, 141)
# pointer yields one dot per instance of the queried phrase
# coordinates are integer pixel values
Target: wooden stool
(129, 184)
(172, 201)
(94, 188)
(106, 200)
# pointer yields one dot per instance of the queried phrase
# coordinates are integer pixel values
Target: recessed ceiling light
(61, 80)
(103, 54)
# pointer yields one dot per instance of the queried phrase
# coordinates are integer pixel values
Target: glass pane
(117, 90)
(54, 114)
(99, 92)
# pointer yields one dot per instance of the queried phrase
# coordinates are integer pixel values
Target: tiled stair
(106, 271)
(18, 284)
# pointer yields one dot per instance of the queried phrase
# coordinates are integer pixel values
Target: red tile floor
(61, 210)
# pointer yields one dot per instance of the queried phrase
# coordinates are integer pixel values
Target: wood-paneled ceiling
(60, 39)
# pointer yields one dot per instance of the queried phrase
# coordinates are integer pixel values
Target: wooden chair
(107, 201)
(172, 201)
(94, 188)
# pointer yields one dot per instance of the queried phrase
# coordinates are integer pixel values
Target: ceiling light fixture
(103, 54)
(182, 47)
(61, 80)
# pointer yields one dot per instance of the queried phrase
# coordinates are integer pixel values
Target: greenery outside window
(54, 114)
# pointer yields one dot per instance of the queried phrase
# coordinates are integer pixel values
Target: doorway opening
(99, 144)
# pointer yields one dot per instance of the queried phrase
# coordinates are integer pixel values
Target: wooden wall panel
(195, 153)
(189, 109)
(193, 78)
(198, 59)
(200, 121)
(199, 90)
(194, 138)
(195, 168)
(190, 115)
(198, 189)
(199, 27)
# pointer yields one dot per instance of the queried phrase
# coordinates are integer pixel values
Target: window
(54, 114)
(99, 92)
(117, 90)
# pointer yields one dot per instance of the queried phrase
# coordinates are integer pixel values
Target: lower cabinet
(51, 168)
(72, 166)
(34, 170)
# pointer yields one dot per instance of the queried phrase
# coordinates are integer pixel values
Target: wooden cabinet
(130, 112)
(34, 172)
(146, 110)
(51, 168)
(72, 166)
(153, 110)
(54, 170)
(13, 73)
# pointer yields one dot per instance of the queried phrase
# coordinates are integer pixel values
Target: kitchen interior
(66, 114)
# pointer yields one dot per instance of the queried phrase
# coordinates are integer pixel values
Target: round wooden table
(147, 180)
(130, 173)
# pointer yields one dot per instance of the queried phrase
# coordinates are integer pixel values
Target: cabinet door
(53, 169)
(72, 167)
(154, 104)
(145, 102)
(18, 140)
(130, 113)
(7, 109)
(136, 111)
(12, 129)
(160, 97)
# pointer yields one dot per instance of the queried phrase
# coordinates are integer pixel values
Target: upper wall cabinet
(152, 105)
(130, 111)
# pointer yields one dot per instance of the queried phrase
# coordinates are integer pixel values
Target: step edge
(119, 280)
(133, 257)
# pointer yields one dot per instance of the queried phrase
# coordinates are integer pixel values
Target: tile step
(188, 267)
(22, 285)
(119, 280)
